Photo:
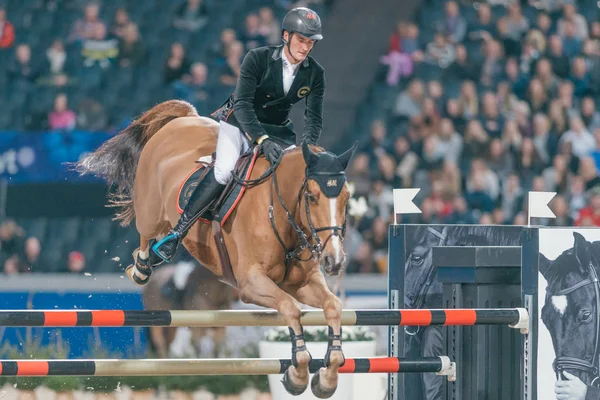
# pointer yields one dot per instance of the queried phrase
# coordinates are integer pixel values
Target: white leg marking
(560, 304)
(144, 254)
(335, 240)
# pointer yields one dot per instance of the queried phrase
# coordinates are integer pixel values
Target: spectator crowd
(483, 102)
(477, 102)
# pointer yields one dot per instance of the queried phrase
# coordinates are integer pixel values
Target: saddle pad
(222, 211)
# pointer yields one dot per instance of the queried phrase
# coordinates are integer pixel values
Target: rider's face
(300, 46)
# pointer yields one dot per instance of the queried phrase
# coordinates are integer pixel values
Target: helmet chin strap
(287, 43)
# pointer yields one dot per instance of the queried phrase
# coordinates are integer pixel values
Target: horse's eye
(312, 198)
(586, 316)
(416, 258)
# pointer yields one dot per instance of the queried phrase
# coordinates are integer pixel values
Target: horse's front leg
(257, 288)
(316, 293)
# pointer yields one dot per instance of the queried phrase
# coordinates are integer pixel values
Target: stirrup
(158, 245)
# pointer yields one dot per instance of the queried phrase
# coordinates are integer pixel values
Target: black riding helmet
(303, 21)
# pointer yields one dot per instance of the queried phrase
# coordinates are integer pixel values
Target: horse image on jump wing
(270, 234)
(571, 314)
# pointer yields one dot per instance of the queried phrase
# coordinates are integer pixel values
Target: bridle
(562, 363)
(316, 248)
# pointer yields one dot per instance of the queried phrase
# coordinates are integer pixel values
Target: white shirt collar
(286, 63)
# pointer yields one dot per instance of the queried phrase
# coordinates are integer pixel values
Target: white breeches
(231, 144)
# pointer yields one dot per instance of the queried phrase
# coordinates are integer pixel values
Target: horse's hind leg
(143, 262)
(316, 293)
(257, 288)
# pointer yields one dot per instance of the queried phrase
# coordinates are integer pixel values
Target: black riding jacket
(259, 106)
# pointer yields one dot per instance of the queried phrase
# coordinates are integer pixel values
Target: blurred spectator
(12, 240)
(231, 71)
(7, 31)
(220, 49)
(580, 78)
(589, 115)
(177, 64)
(581, 140)
(195, 89)
(21, 71)
(100, 49)
(269, 27)
(453, 24)
(572, 44)
(483, 28)
(58, 69)
(131, 49)
(359, 174)
(571, 17)
(191, 16)
(32, 262)
(403, 52)
(91, 116)
(76, 263)
(252, 36)
(121, 23)
(590, 214)
(410, 102)
(87, 28)
(491, 67)
(12, 266)
(440, 52)
(61, 118)
(560, 207)
(477, 198)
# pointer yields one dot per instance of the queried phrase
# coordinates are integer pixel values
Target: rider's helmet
(303, 21)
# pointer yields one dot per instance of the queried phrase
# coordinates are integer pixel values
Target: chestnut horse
(281, 234)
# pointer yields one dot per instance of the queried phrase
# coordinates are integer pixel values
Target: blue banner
(42, 157)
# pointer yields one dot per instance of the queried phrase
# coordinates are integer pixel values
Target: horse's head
(570, 311)
(323, 207)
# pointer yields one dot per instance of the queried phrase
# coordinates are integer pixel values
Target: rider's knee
(222, 176)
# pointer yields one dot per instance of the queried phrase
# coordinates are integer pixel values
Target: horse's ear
(310, 157)
(544, 265)
(582, 252)
(346, 156)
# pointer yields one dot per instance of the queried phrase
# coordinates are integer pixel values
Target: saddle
(222, 207)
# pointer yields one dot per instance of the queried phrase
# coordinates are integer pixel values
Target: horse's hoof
(130, 272)
(318, 389)
(290, 387)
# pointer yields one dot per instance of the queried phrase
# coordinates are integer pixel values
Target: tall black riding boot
(205, 192)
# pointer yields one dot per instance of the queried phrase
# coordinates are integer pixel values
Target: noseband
(562, 363)
(316, 247)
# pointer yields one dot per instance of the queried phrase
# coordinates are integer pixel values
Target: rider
(272, 79)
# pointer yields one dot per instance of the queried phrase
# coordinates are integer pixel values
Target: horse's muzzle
(330, 267)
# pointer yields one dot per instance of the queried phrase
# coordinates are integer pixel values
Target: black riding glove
(271, 150)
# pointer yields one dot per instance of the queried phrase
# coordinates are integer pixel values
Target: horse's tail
(116, 160)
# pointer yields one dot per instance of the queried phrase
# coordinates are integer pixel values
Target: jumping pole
(513, 317)
(241, 366)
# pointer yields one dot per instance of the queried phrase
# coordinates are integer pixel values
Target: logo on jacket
(303, 91)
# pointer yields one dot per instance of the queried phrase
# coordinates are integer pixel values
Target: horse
(571, 307)
(202, 291)
(282, 237)
(423, 290)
